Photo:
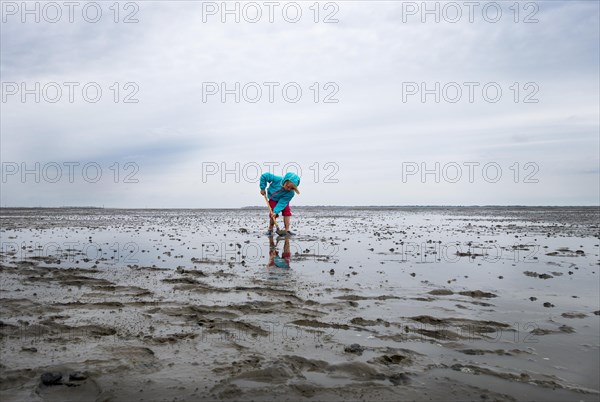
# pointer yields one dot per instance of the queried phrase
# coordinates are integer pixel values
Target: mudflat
(376, 304)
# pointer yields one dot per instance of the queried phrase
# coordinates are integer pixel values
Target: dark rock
(49, 378)
(546, 304)
(354, 348)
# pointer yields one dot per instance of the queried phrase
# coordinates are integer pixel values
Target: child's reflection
(274, 258)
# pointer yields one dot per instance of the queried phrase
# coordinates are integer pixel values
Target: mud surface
(363, 304)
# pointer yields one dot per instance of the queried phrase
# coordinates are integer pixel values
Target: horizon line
(317, 206)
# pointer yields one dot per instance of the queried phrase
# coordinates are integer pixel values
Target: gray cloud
(369, 54)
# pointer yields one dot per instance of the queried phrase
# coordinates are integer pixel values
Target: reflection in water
(275, 260)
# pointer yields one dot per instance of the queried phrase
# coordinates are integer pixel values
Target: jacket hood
(294, 178)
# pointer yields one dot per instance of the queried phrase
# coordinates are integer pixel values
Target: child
(280, 193)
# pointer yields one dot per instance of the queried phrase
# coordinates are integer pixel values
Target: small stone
(354, 348)
(77, 376)
(546, 304)
(51, 378)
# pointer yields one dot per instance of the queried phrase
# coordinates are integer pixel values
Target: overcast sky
(365, 141)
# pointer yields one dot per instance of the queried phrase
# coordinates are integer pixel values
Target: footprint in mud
(67, 386)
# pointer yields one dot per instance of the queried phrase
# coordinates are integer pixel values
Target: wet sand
(376, 304)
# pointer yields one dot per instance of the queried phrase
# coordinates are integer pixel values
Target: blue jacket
(276, 192)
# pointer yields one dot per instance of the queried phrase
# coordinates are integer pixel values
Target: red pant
(286, 211)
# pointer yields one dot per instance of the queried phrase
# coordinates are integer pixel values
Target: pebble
(49, 378)
(354, 348)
